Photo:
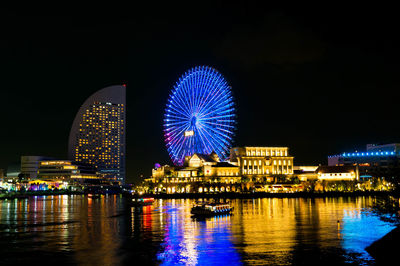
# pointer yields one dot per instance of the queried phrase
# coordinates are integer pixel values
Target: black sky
(320, 80)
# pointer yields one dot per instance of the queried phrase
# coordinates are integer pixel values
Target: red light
(148, 199)
(124, 85)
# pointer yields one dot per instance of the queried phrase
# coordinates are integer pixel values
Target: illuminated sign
(189, 133)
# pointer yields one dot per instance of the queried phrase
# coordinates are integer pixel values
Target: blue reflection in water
(193, 242)
(360, 229)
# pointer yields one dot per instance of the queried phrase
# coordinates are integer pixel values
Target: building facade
(306, 173)
(67, 171)
(337, 173)
(247, 168)
(98, 133)
(200, 173)
(262, 161)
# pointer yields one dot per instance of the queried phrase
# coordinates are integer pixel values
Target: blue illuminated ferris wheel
(200, 115)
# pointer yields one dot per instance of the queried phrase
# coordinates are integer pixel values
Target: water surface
(79, 230)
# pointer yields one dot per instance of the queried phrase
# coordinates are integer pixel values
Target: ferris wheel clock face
(199, 115)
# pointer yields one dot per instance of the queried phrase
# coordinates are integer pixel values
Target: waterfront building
(30, 166)
(249, 168)
(376, 161)
(337, 173)
(97, 136)
(199, 173)
(198, 168)
(305, 173)
(262, 162)
(67, 171)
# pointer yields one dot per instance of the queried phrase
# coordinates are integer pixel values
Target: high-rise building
(98, 132)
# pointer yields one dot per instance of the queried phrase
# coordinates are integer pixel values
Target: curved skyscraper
(97, 135)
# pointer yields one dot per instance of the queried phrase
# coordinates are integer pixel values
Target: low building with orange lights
(337, 173)
(247, 167)
(67, 171)
(305, 173)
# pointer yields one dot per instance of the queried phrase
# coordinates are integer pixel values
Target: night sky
(320, 80)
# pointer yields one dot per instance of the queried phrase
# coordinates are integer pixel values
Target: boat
(210, 209)
(142, 201)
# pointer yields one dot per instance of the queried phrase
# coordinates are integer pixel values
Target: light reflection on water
(80, 230)
(191, 241)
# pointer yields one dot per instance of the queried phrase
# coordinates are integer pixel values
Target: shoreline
(384, 250)
(227, 195)
(233, 195)
(25, 195)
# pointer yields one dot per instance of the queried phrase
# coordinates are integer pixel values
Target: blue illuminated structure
(361, 154)
(200, 115)
(377, 160)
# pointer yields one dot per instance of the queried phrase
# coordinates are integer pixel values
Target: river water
(71, 230)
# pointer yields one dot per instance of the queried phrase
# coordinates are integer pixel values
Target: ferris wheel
(199, 115)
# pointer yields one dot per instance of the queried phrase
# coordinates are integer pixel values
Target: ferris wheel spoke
(217, 86)
(175, 117)
(207, 80)
(215, 92)
(224, 136)
(211, 103)
(219, 111)
(198, 79)
(223, 102)
(203, 137)
(225, 117)
(181, 98)
(221, 125)
(178, 131)
(182, 102)
(176, 98)
(172, 133)
(195, 83)
(219, 114)
(177, 111)
(216, 145)
(188, 92)
(178, 150)
(173, 137)
(211, 92)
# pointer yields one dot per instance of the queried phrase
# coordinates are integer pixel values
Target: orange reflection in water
(105, 231)
(266, 231)
(63, 225)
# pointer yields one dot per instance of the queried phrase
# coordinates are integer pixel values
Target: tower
(98, 132)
